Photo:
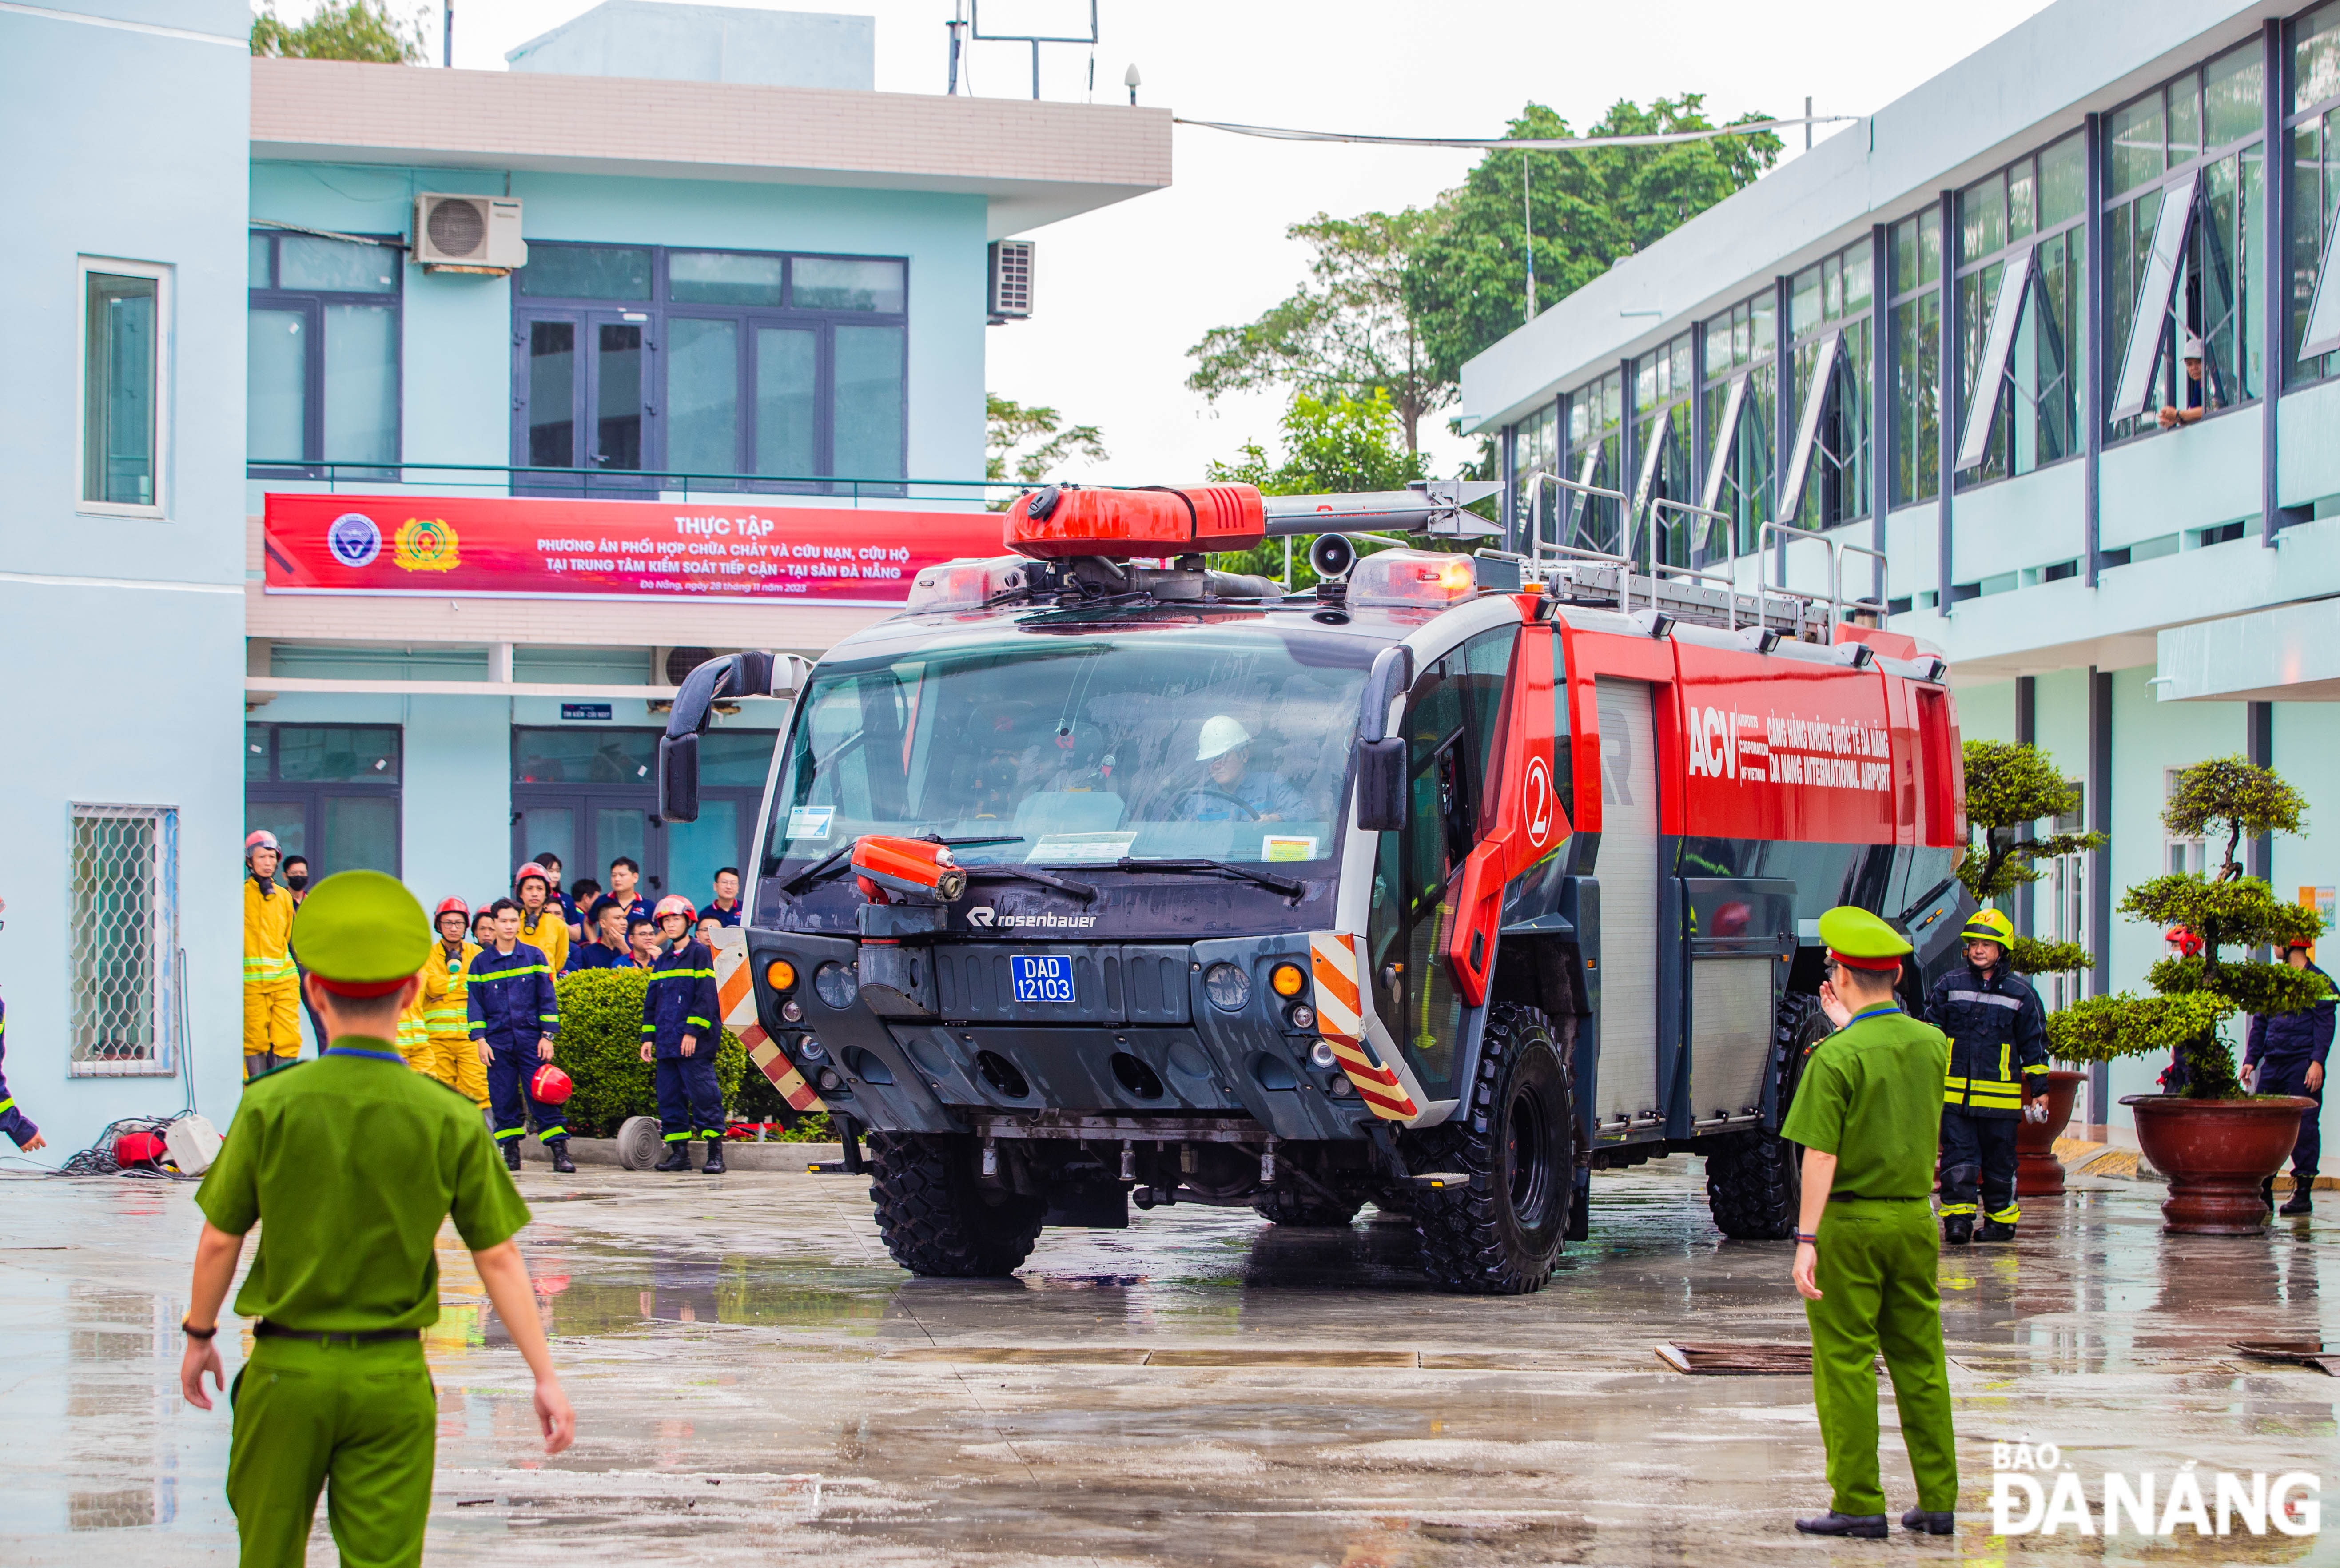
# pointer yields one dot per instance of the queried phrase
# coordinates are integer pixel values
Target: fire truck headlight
(1302, 1015)
(812, 1050)
(792, 1010)
(1320, 1054)
(1227, 987)
(837, 985)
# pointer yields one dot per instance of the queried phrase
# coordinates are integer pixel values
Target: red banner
(498, 546)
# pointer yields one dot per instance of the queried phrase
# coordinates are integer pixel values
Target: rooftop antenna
(1130, 79)
(954, 24)
(976, 32)
(1527, 210)
(1807, 123)
(447, 33)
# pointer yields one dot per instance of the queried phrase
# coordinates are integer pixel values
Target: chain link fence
(124, 915)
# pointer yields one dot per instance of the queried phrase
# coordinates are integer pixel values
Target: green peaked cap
(1858, 934)
(361, 929)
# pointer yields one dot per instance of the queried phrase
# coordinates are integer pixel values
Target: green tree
(342, 30)
(1351, 331)
(2229, 910)
(1467, 280)
(1024, 446)
(2008, 787)
(1332, 446)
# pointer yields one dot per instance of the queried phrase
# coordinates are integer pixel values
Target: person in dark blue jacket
(2286, 1054)
(514, 1016)
(680, 1035)
(605, 927)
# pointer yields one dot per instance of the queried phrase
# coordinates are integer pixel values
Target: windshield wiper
(1080, 890)
(1268, 879)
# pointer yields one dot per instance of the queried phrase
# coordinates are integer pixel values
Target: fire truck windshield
(1225, 741)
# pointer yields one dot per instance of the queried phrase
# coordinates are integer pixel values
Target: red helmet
(2187, 944)
(532, 869)
(258, 838)
(549, 1085)
(452, 907)
(674, 904)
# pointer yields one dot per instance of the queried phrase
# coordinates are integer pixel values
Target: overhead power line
(1517, 144)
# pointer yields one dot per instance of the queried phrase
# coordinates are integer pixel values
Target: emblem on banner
(353, 539)
(426, 544)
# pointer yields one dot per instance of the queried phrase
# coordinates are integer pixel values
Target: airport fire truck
(1097, 878)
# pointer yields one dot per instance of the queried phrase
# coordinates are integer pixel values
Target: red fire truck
(1097, 878)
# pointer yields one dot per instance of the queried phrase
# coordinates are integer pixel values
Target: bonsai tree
(2224, 798)
(2008, 787)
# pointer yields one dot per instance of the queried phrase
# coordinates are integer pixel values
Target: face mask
(297, 880)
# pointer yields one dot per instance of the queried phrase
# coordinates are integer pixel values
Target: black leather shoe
(1958, 1230)
(560, 1160)
(2300, 1203)
(1868, 1526)
(1930, 1523)
(714, 1165)
(678, 1157)
(1998, 1230)
(511, 1153)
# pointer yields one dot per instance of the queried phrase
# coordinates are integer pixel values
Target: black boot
(714, 1165)
(560, 1160)
(2266, 1192)
(511, 1153)
(1958, 1229)
(1998, 1230)
(1868, 1526)
(2299, 1203)
(677, 1156)
(1930, 1523)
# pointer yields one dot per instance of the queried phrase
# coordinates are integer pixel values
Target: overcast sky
(1122, 294)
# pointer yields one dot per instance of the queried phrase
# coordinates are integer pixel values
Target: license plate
(1041, 976)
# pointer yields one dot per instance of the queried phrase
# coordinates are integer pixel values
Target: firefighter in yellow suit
(453, 1059)
(542, 924)
(272, 988)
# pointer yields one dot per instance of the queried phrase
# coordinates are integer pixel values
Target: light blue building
(121, 538)
(2088, 275)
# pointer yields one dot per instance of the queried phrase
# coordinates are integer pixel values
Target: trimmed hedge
(601, 1049)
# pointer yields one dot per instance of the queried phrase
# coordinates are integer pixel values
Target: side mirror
(678, 778)
(1381, 785)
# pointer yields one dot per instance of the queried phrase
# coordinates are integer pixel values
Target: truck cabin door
(1451, 718)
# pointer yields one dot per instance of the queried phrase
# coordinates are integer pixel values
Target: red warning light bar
(1062, 521)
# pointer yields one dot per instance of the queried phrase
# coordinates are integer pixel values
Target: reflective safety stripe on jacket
(682, 1000)
(267, 934)
(1999, 1038)
(508, 996)
(444, 1014)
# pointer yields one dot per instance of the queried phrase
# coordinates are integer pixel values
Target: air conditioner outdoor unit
(468, 231)
(1011, 280)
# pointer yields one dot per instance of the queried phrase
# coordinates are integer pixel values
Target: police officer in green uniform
(352, 1161)
(1868, 1112)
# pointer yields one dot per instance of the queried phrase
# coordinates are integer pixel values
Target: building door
(589, 796)
(330, 792)
(1627, 866)
(582, 398)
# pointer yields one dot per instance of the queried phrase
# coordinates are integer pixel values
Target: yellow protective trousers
(271, 1017)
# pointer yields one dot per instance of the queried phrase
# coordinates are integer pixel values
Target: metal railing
(621, 484)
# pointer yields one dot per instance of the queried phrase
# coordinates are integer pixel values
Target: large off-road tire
(1754, 1180)
(1287, 1206)
(936, 1216)
(1514, 1136)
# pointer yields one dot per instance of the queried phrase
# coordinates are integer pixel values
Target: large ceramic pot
(2217, 1154)
(2037, 1172)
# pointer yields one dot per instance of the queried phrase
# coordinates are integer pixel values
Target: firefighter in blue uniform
(680, 1035)
(19, 1126)
(2288, 1054)
(514, 1016)
(1999, 1052)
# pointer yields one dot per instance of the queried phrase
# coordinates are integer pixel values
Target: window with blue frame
(1741, 392)
(740, 370)
(1663, 390)
(2022, 270)
(2315, 133)
(321, 366)
(1826, 479)
(1596, 449)
(1914, 354)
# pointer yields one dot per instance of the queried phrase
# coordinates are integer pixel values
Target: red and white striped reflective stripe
(735, 988)
(1340, 1020)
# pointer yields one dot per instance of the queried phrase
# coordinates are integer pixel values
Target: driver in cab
(1234, 790)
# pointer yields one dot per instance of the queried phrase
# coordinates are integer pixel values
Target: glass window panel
(1763, 313)
(617, 396)
(256, 251)
(2233, 95)
(1832, 288)
(834, 284)
(695, 850)
(723, 278)
(1915, 374)
(1681, 365)
(735, 759)
(2135, 155)
(1645, 383)
(1929, 245)
(361, 835)
(868, 402)
(1804, 308)
(584, 756)
(2186, 119)
(586, 273)
(702, 396)
(288, 820)
(624, 830)
(118, 370)
(360, 383)
(2022, 185)
(335, 266)
(551, 394)
(276, 385)
(2315, 58)
(1903, 256)
(552, 830)
(311, 754)
(2308, 212)
(786, 368)
(1856, 286)
(2063, 181)
(255, 753)
(1718, 344)
(1982, 218)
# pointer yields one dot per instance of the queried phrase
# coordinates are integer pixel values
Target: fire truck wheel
(936, 1216)
(1515, 1137)
(1754, 1181)
(1287, 1208)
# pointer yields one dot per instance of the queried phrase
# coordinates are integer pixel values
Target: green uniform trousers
(1876, 1274)
(365, 1416)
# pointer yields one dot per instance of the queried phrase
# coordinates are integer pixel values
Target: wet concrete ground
(756, 1381)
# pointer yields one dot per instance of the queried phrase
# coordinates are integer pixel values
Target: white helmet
(1221, 735)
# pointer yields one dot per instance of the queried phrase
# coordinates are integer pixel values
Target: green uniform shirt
(352, 1161)
(1872, 1095)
